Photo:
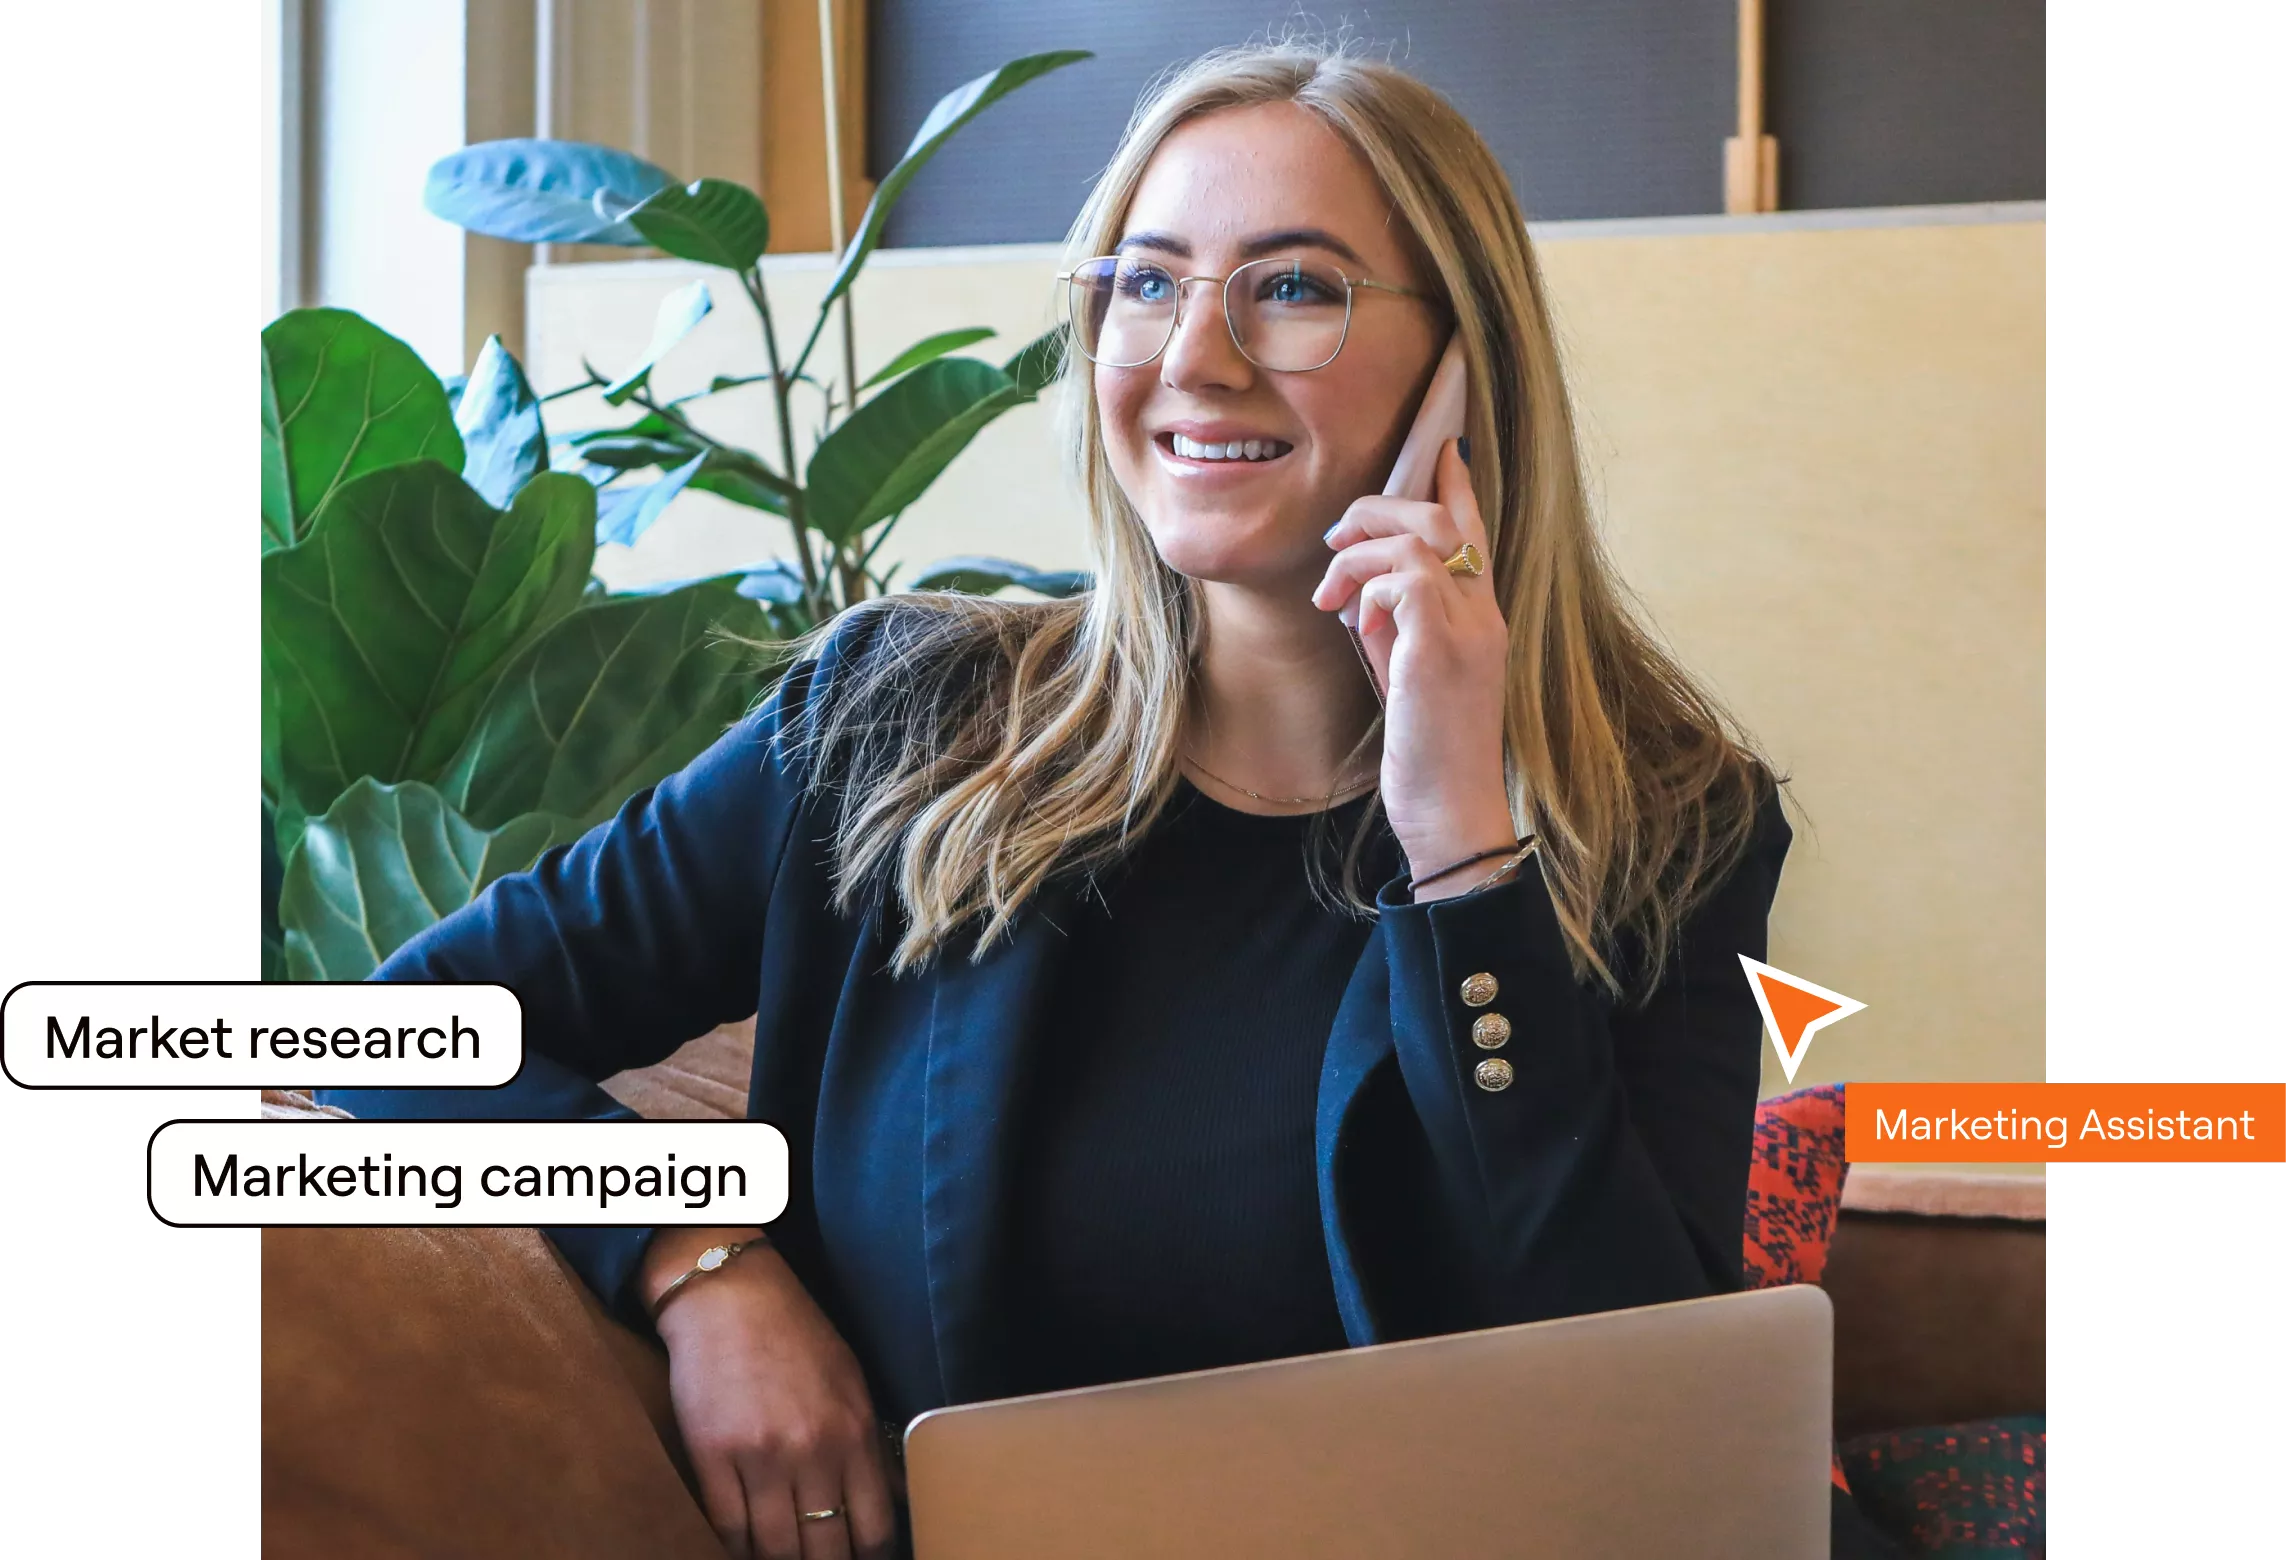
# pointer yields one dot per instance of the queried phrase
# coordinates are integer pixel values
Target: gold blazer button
(1479, 989)
(1491, 1031)
(1493, 1075)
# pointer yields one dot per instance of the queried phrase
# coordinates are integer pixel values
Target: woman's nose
(1202, 353)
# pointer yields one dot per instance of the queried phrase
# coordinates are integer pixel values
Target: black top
(1164, 1182)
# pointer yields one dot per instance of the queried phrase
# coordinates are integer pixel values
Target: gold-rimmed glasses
(1288, 315)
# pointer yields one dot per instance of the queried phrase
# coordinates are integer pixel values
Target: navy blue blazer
(1611, 1173)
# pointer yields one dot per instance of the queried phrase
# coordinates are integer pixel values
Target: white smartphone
(1443, 415)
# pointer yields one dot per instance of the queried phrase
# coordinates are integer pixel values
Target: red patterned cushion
(1794, 1187)
(1793, 1192)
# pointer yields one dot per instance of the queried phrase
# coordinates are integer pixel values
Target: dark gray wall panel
(1908, 102)
(1597, 108)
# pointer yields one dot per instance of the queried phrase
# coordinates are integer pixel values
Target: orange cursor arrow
(1794, 1010)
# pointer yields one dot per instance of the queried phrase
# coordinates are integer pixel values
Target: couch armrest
(457, 1392)
(1939, 1284)
(707, 1079)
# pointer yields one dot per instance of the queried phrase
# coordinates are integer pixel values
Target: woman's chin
(1231, 551)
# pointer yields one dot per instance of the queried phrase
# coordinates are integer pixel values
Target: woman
(1114, 993)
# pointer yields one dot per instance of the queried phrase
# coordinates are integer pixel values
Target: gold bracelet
(711, 1260)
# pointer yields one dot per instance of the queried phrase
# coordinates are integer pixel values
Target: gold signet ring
(1467, 561)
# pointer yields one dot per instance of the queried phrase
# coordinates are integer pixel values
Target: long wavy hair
(979, 746)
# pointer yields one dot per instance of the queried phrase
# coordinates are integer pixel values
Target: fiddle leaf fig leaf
(623, 514)
(498, 417)
(712, 221)
(1036, 367)
(384, 863)
(340, 398)
(544, 192)
(984, 576)
(888, 451)
(384, 632)
(621, 693)
(925, 350)
(679, 314)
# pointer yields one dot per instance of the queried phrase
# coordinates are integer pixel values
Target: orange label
(2051, 1122)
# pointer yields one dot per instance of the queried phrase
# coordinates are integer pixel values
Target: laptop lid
(1701, 1428)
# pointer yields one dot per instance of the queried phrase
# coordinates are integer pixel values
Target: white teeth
(1237, 449)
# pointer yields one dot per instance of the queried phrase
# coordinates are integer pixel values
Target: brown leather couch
(447, 1393)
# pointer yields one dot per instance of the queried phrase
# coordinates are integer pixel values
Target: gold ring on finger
(824, 1515)
(1467, 561)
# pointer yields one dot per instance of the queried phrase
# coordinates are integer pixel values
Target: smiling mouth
(1243, 451)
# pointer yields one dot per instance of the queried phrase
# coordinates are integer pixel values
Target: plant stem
(816, 330)
(643, 398)
(879, 537)
(781, 392)
(831, 74)
(586, 384)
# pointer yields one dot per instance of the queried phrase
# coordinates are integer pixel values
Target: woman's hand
(775, 1415)
(1440, 646)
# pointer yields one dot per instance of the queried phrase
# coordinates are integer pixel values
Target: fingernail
(1464, 449)
(1330, 531)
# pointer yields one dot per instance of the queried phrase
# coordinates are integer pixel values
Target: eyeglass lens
(1287, 315)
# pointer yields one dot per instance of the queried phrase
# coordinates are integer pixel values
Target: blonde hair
(982, 745)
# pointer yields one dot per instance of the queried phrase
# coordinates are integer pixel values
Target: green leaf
(544, 192)
(632, 454)
(648, 426)
(341, 397)
(679, 314)
(923, 351)
(1036, 367)
(383, 864)
(777, 581)
(499, 421)
(737, 484)
(385, 630)
(888, 451)
(712, 221)
(983, 576)
(616, 696)
(273, 875)
(774, 582)
(728, 472)
(954, 109)
(624, 514)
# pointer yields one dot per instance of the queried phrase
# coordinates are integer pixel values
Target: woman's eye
(1146, 285)
(1295, 288)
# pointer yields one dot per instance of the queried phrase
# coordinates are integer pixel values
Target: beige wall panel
(1819, 456)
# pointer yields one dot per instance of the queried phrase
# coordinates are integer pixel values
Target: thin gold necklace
(1193, 760)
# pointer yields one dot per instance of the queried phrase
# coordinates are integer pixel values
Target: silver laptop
(1695, 1431)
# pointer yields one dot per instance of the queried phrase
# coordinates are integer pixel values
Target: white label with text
(248, 1034)
(472, 1173)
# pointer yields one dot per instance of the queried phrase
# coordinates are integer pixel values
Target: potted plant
(446, 688)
